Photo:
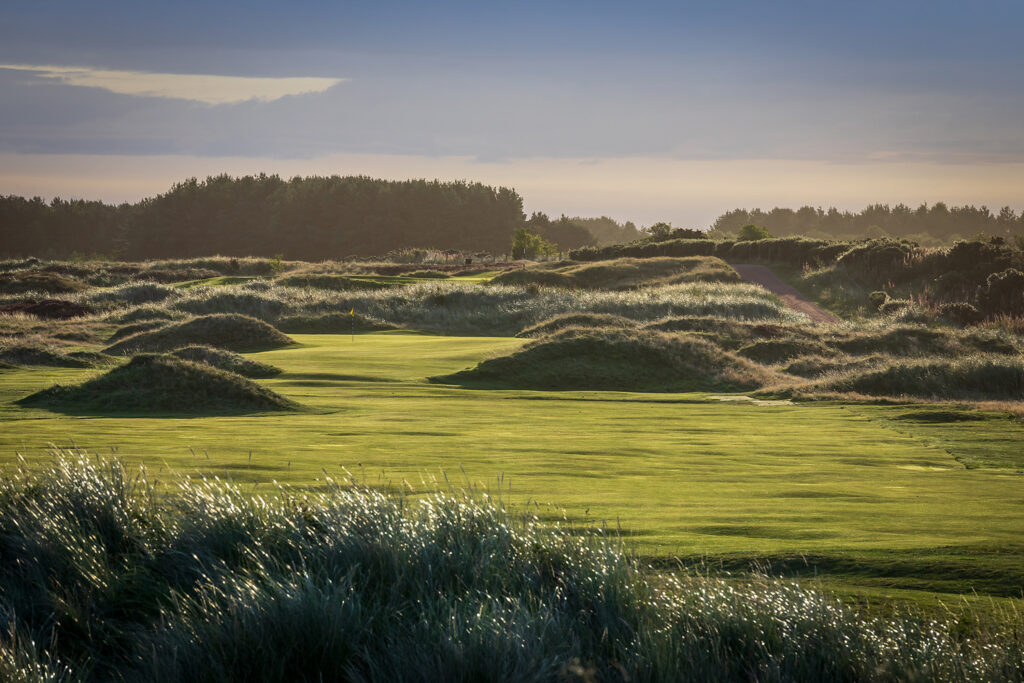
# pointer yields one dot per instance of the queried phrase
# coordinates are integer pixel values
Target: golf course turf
(865, 497)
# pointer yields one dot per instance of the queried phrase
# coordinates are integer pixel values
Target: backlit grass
(870, 500)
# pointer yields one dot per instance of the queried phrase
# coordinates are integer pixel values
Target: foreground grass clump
(226, 360)
(616, 359)
(152, 383)
(106, 580)
(228, 331)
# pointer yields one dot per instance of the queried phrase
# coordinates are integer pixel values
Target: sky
(642, 111)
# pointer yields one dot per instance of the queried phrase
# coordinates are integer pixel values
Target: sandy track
(763, 276)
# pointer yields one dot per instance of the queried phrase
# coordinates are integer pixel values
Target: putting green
(854, 493)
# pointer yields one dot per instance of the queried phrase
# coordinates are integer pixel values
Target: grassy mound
(622, 273)
(50, 309)
(973, 378)
(431, 274)
(34, 281)
(134, 328)
(151, 383)
(729, 334)
(616, 360)
(26, 354)
(772, 351)
(226, 360)
(533, 276)
(329, 281)
(561, 322)
(104, 579)
(332, 323)
(817, 366)
(142, 314)
(227, 331)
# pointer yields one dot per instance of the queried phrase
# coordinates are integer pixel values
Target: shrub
(1002, 293)
(878, 298)
(751, 232)
(961, 313)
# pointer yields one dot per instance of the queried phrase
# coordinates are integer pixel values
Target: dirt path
(762, 275)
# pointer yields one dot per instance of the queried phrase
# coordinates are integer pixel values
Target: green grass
(682, 475)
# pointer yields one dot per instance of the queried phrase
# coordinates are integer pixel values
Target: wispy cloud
(204, 88)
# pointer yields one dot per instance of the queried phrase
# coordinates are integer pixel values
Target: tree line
(311, 218)
(927, 225)
(303, 218)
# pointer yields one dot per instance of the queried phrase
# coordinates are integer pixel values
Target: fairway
(679, 474)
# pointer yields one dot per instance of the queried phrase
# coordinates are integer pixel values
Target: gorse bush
(104, 579)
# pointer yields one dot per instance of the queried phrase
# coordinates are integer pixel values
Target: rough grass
(623, 273)
(226, 331)
(774, 351)
(329, 281)
(972, 378)
(42, 282)
(161, 384)
(579, 358)
(560, 322)
(226, 360)
(733, 334)
(41, 354)
(142, 313)
(110, 581)
(135, 328)
(331, 323)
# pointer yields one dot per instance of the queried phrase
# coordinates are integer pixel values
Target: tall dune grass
(469, 308)
(106, 579)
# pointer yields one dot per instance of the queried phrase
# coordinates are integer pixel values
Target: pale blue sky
(469, 89)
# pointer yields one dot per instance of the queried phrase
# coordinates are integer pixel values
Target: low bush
(961, 313)
(161, 384)
(226, 331)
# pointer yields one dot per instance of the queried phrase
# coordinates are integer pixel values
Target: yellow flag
(352, 313)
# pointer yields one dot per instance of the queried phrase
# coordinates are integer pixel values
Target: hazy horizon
(647, 113)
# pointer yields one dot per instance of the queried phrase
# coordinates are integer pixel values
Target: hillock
(151, 383)
(616, 360)
(226, 360)
(227, 331)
